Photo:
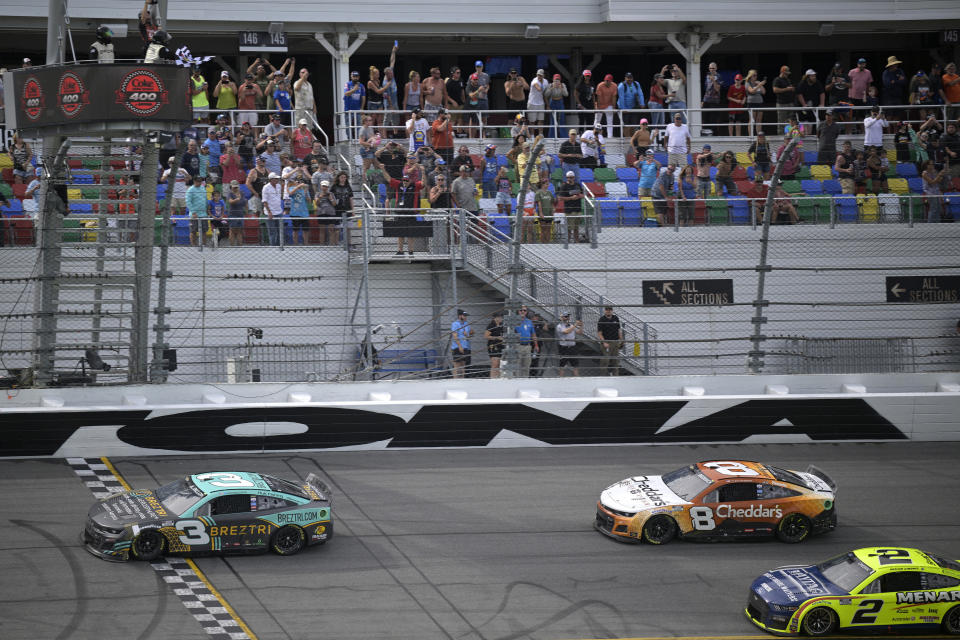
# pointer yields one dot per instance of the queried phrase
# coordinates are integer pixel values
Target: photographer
(249, 94)
(519, 127)
(873, 126)
(441, 135)
(516, 87)
(225, 92)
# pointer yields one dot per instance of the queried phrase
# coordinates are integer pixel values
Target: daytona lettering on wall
(32, 99)
(142, 92)
(72, 96)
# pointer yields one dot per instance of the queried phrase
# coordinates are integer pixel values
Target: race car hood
(792, 585)
(126, 508)
(639, 493)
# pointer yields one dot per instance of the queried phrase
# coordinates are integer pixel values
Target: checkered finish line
(204, 604)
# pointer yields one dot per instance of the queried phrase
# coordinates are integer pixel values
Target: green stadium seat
(604, 174)
(803, 173)
(71, 236)
(792, 187)
(717, 211)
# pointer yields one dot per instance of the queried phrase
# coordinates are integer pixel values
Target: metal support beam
(143, 261)
(340, 62)
(692, 51)
(56, 30)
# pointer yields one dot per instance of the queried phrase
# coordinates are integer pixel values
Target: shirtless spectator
(516, 87)
(434, 91)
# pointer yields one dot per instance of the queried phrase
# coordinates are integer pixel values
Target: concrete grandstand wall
(176, 419)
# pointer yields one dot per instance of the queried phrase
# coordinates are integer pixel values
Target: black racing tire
(820, 621)
(951, 622)
(659, 530)
(148, 545)
(288, 540)
(794, 528)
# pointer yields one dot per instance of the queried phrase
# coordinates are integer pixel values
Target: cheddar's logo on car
(72, 96)
(32, 100)
(142, 92)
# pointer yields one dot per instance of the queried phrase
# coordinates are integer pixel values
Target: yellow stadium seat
(821, 172)
(899, 185)
(6, 162)
(74, 194)
(209, 192)
(868, 207)
(743, 158)
(646, 205)
(892, 157)
(89, 236)
(424, 203)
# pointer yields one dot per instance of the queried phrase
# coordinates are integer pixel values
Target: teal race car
(213, 512)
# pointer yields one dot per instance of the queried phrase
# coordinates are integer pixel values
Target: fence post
(462, 221)
(910, 212)
(646, 349)
(676, 214)
(556, 293)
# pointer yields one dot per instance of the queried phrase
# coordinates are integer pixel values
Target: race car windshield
(845, 571)
(686, 482)
(786, 476)
(178, 496)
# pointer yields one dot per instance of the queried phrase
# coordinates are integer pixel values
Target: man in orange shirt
(951, 89)
(442, 136)
(605, 102)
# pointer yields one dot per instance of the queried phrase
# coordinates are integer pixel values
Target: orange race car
(719, 499)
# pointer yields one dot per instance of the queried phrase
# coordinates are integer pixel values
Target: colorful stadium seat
(869, 208)
(739, 210)
(907, 170)
(626, 174)
(616, 189)
(899, 185)
(832, 187)
(821, 172)
(847, 210)
(604, 174)
(915, 185)
(811, 187)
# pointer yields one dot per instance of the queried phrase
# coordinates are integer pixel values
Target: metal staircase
(96, 255)
(487, 256)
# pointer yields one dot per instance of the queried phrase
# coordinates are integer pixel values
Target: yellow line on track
(192, 564)
(221, 599)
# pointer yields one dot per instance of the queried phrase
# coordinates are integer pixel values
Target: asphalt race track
(489, 544)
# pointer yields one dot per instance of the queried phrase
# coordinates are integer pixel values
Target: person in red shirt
(441, 136)
(302, 140)
(736, 97)
(951, 90)
(249, 94)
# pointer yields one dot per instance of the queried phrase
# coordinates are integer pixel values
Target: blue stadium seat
(812, 187)
(847, 208)
(713, 173)
(245, 190)
(915, 184)
(650, 222)
(161, 190)
(632, 213)
(609, 212)
(739, 210)
(501, 224)
(81, 207)
(832, 187)
(15, 208)
(751, 170)
(82, 178)
(952, 204)
(660, 157)
(586, 174)
(633, 187)
(181, 230)
(907, 170)
(626, 174)
(809, 157)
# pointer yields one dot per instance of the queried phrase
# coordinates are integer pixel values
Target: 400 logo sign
(32, 99)
(142, 92)
(72, 96)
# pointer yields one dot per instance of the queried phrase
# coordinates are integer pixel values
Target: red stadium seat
(251, 230)
(631, 159)
(8, 176)
(22, 231)
(597, 189)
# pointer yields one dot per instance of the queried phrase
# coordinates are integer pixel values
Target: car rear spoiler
(320, 487)
(816, 471)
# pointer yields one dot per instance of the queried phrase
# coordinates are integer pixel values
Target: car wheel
(148, 545)
(288, 540)
(951, 621)
(659, 530)
(794, 528)
(821, 621)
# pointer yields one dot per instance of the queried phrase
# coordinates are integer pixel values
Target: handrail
(492, 258)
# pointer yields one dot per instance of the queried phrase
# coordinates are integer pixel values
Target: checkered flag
(186, 59)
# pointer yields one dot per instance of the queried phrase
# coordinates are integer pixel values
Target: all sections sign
(688, 293)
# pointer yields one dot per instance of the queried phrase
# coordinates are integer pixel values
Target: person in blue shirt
(647, 171)
(297, 189)
(460, 333)
(217, 211)
(629, 96)
(281, 99)
(197, 207)
(528, 343)
(354, 98)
